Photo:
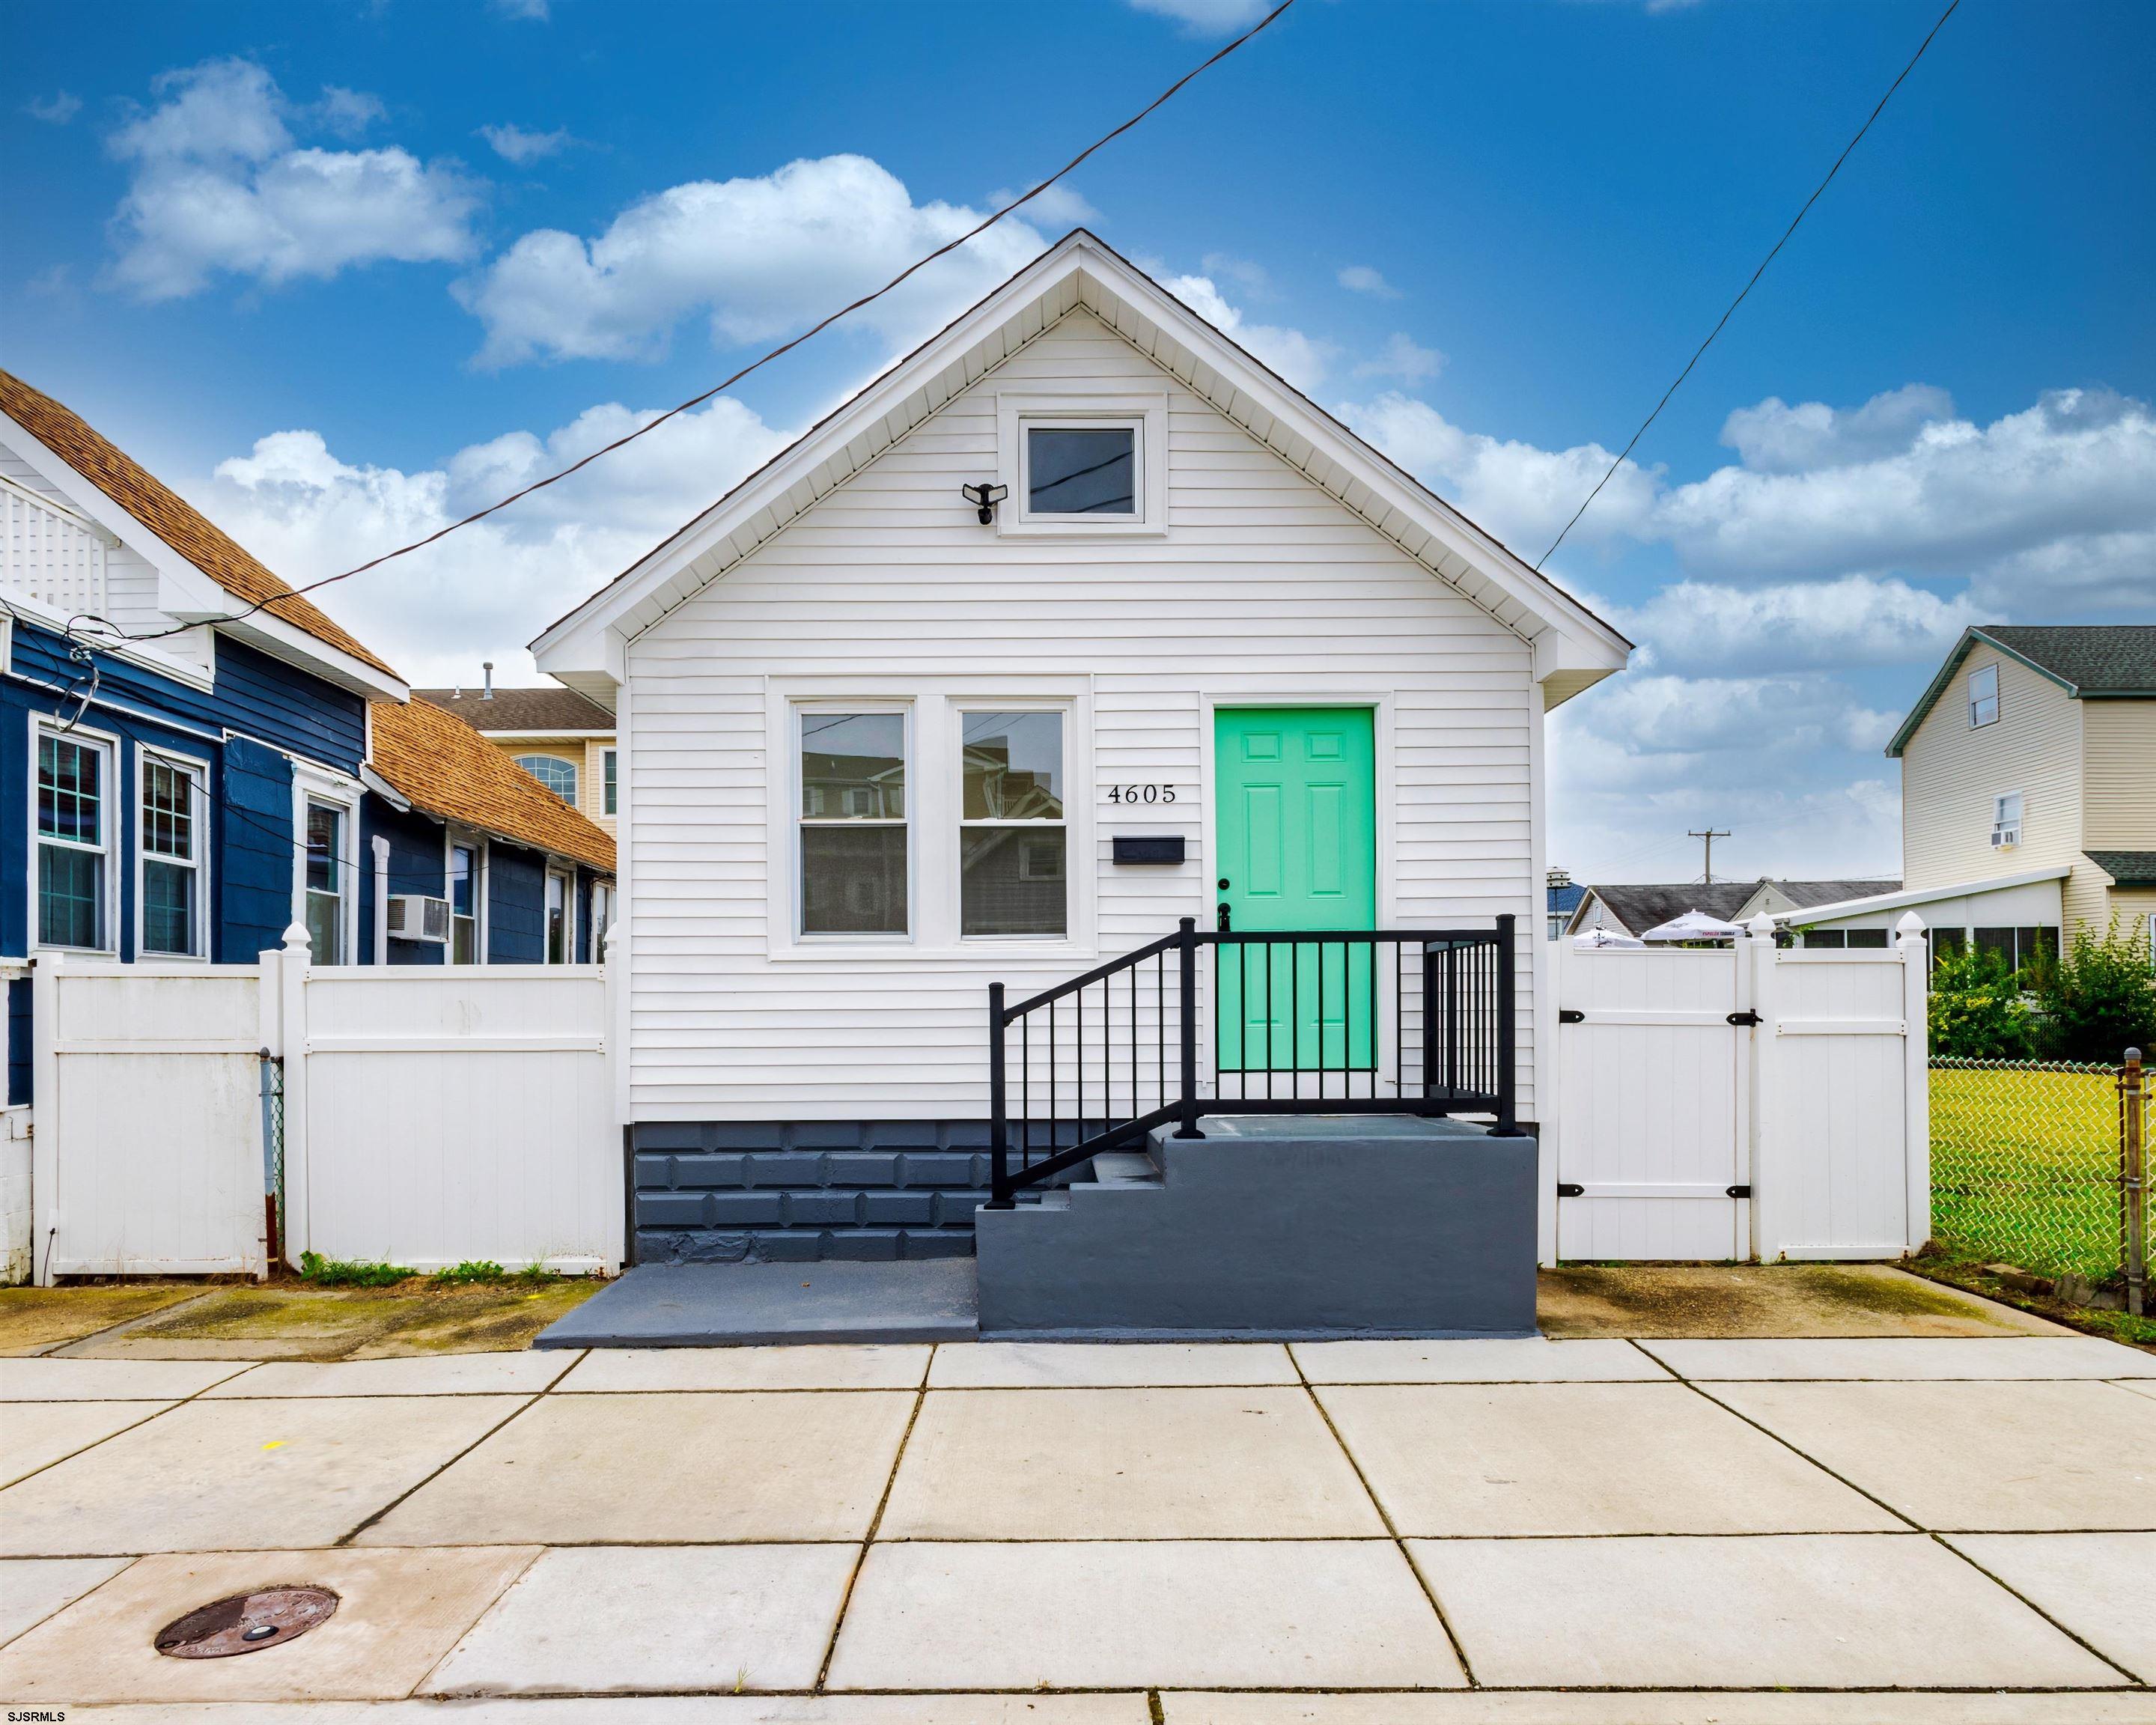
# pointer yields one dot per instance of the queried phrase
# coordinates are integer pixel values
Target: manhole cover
(246, 1623)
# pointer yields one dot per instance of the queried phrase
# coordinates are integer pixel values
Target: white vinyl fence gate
(1743, 1102)
(432, 1114)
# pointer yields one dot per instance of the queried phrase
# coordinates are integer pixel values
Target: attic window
(1984, 696)
(1089, 470)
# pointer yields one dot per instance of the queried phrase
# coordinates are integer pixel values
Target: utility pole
(1710, 835)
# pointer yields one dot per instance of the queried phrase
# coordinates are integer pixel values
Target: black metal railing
(1304, 1021)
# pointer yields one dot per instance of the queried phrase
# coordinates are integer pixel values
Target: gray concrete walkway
(1943, 1530)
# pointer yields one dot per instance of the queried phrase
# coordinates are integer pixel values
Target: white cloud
(1061, 206)
(486, 590)
(1252, 277)
(1856, 619)
(1776, 438)
(345, 113)
(1404, 358)
(760, 257)
(1521, 493)
(1207, 18)
(513, 143)
(220, 186)
(1361, 278)
(54, 109)
(1300, 360)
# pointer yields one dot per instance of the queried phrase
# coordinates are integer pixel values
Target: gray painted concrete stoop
(743, 1305)
(1276, 1227)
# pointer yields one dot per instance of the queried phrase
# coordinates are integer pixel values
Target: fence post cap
(1910, 924)
(297, 939)
(1761, 927)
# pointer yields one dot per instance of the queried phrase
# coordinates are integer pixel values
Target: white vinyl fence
(1745, 1101)
(430, 1115)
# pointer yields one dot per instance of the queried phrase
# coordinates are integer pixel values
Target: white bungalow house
(888, 738)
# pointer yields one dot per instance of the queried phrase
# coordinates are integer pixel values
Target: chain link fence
(2030, 1164)
(273, 1153)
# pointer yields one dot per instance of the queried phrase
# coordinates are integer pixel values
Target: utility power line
(1953, 5)
(813, 330)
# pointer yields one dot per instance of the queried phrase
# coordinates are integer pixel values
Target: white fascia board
(494, 735)
(1923, 895)
(145, 654)
(1074, 272)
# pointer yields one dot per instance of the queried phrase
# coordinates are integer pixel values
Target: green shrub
(2100, 999)
(1978, 1010)
(349, 1273)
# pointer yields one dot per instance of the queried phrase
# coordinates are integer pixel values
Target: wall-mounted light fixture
(984, 498)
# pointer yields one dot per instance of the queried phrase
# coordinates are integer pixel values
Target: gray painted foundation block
(1277, 1226)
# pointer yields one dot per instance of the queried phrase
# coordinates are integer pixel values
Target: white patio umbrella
(1694, 926)
(1604, 937)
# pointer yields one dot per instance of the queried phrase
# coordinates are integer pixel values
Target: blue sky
(337, 271)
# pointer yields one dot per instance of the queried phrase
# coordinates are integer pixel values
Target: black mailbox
(1133, 850)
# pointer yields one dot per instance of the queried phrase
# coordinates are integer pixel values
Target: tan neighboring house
(2028, 792)
(556, 735)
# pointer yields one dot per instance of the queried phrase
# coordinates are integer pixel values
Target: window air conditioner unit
(414, 918)
(2004, 837)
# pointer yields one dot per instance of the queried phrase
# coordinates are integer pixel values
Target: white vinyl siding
(1263, 588)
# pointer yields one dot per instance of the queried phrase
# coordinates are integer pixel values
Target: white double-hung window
(76, 833)
(1984, 696)
(171, 891)
(1013, 874)
(852, 822)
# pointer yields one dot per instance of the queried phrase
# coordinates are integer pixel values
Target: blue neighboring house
(1562, 898)
(193, 757)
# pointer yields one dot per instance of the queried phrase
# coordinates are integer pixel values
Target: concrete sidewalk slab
(397, 1613)
(241, 1475)
(32, 1588)
(35, 1434)
(447, 1374)
(739, 1305)
(1108, 1365)
(604, 1470)
(2005, 1358)
(111, 1380)
(1465, 1460)
(1840, 1611)
(829, 1366)
(1531, 1359)
(1106, 1615)
(2027, 1457)
(613, 1619)
(954, 1709)
(1125, 1463)
(1633, 1707)
(2095, 1584)
(2145, 1388)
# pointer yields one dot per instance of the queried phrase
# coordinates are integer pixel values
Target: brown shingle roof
(548, 708)
(447, 768)
(170, 517)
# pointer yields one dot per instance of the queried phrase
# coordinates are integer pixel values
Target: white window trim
(313, 785)
(114, 830)
(956, 789)
(566, 872)
(1145, 412)
(1975, 723)
(933, 803)
(452, 838)
(576, 772)
(610, 779)
(198, 771)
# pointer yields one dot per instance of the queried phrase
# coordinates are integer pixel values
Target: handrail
(1452, 996)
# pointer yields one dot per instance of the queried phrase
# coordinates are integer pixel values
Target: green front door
(1298, 839)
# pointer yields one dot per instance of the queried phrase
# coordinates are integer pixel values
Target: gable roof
(2111, 661)
(1803, 895)
(1573, 648)
(163, 511)
(562, 710)
(440, 764)
(1634, 910)
(2126, 868)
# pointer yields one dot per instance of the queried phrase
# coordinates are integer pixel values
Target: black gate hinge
(1744, 1018)
(1569, 1188)
(1566, 1015)
(1740, 1191)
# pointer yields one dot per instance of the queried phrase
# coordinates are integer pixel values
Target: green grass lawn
(2025, 1167)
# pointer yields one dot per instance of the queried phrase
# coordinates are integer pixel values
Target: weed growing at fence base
(2024, 1164)
(349, 1273)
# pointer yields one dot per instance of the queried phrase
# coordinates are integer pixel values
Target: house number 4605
(1141, 793)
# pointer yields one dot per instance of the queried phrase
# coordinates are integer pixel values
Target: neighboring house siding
(1951, 771)
(1265, 588)
(254, 884)
(417, 863)
(280, 704)
(515, 904)
(2118, 740)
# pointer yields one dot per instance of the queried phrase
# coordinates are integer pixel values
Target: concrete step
(1124, 1167)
